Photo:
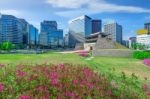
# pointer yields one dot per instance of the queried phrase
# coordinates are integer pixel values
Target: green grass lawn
(119, 65)
(104, 64)
(113, 68)
(52, 58)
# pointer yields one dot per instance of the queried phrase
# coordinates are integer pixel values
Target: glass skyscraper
(96, 26)
(25, 30)
(114, 32)
(50, 35)
(147, 26)
(10, 29)
(78, 29)
(33, 35)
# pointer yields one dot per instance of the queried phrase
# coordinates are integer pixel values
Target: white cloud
(92, 7)
(68, 3)
(10, 12)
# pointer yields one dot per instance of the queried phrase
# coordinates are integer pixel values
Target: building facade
(144, 39)
(147, 27)
(78, 29)
(10, 29)
(33, 36)
(66, 40)
(25, 30)
(50, 35)
(114, 31)
(96, 26)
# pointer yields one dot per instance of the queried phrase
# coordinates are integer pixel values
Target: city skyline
(126, 13)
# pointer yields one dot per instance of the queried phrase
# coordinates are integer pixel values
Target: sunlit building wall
(78, 29)
(10, 29)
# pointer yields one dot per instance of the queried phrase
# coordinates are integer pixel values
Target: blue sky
(131, 14)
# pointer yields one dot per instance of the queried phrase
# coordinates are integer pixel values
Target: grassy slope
(127, 65)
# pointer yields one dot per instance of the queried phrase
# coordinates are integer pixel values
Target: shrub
(147, 62)
(84, 53)
(141, 55)
(7, 46)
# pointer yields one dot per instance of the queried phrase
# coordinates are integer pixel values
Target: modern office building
(79, 28)
(144, 39)
(10, 29)
(55, 38)
(25, 30)
(33, 36)
(50, 35)
(96, 26)
(66, 40)
(114, 30)
(147, 27)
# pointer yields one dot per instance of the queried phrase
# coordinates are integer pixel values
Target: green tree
(7, 46)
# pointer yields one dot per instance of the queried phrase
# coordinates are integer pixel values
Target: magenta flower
(21, 73)
(87, 72)
(44, 97)
(109, 92)
(2, 87)
(145, 87)
(90, 85)
(54, 75)
(54, 81)
(24, 97)
(75, 82)
(84, 54)
(62, 66)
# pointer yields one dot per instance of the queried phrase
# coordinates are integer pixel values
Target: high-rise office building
(78, 29)
(25, 30)
(33, 36)
(114, 30)
(96, 26)
(50, 35)
(147, 27)
(66, 40)
(10, 29)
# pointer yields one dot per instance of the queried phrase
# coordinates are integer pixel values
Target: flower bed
(59, 82)
(84, 53)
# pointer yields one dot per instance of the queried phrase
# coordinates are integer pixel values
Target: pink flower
(24, 97)
(21, 73)
(54, 75)
(44, 97)
(54, 81)
(109, 92)
(145, 87)
(62, 66)
(72, 94)
(87, 72)
(90, 85)
(75, 82)
(59, 97)
(2, 87)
